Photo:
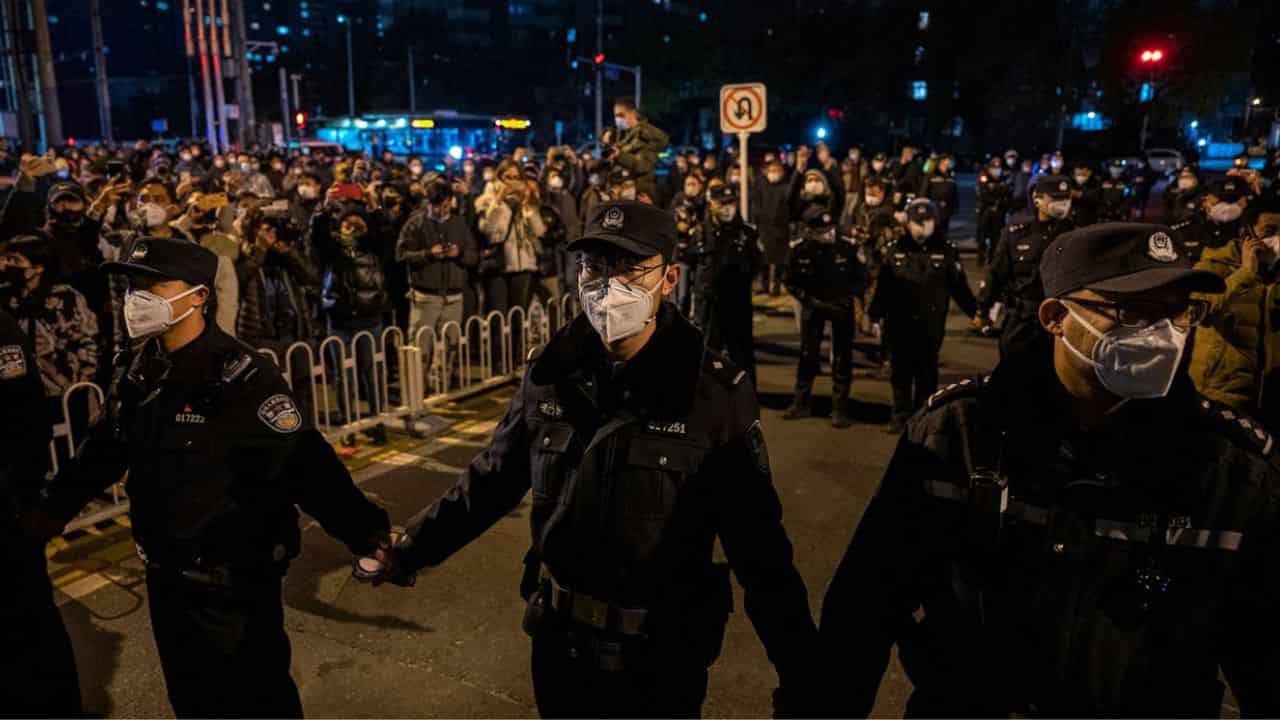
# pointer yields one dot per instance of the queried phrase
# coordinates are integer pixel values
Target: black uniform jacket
(1133, 563)
(636, 469)
(217, 458)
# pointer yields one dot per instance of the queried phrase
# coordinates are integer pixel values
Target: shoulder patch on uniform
(280, 414)
(1238, 425)
(722, 368)
(13, 362)
(965, 388)
(1017, 227)
(535, 352)
(756, 444)
(235, 366)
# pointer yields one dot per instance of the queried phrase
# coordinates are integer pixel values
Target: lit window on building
(919, 54)
(919, 90)
(254, 25)
(923, 22)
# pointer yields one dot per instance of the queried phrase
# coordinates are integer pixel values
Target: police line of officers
(1063, 545)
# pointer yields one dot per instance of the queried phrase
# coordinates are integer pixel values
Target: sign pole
(742, 173)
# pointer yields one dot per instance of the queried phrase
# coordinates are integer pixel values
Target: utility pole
(413, 100)
(244, 75)
(285, 116)
(351, 73)
(294, 78)
(48, 80)
(599, 70)
(216, 51)
(211, 133)
(100, 73)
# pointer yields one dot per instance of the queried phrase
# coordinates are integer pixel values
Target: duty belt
(591, 612)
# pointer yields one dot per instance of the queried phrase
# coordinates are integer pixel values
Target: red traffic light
(300, 119)
(1152, 56)
(598, 58)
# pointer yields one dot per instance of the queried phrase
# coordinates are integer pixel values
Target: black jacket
(1075, 607)
(274, 302)
(23, 422)
(217, 457)
(635, 473)
(915, 287)
(431, 274)
(941, 189)
(355, 285)
(826, 276)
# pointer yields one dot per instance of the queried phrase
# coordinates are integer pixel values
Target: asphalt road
(452, 646)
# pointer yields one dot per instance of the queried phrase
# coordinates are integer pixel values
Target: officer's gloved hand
(383, 566)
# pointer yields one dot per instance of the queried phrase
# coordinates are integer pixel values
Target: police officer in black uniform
(217, 457)
(37, 668)
(917, 281)
(1218, 221)
(1115, 194)
(1086, 195)
(641, 447)
(993, 203)
(1085, 534)
(825, 275)
(1014, 275)
(729, 260)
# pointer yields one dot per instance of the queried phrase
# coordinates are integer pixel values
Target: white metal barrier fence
(434, 368)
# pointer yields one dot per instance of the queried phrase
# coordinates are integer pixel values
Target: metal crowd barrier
(434, 369)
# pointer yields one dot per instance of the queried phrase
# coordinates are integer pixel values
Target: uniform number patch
(13, 364)
(280, 414)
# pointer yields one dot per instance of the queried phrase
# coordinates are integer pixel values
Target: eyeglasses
(595, 270)
(1139, 313)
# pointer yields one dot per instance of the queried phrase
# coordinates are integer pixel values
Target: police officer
(940, 187)
(993, 203)
(730, 258)
(825, 275)
(36, 664)
(1115, 194)
(1086, 536)
(1086, 196)
(641, 447)
(1221, 206)
(1183, 210)
(1014, 275)
(217, 457)
(917, 280)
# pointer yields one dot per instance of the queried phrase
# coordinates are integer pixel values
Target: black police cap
(1120, 257)
(725, 193)
(921, 210)
(1055, 186)
(167, 259)
(635, 227)
(1227, 189)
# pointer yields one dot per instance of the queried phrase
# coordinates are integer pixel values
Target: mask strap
(1088, 326)
(179, 296)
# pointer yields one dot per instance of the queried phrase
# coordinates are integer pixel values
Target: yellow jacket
(1240, 339)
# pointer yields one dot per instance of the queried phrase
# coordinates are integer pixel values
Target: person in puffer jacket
(274, 273)
(353, 297)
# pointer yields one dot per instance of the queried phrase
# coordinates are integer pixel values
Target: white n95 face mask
(147, 314)
(616, 310)
(1134, 363)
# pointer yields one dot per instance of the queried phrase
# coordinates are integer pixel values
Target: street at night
(617, 358)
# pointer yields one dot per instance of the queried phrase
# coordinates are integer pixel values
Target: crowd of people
(637, 427)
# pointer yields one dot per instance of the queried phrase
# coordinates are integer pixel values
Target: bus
(432, 135)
